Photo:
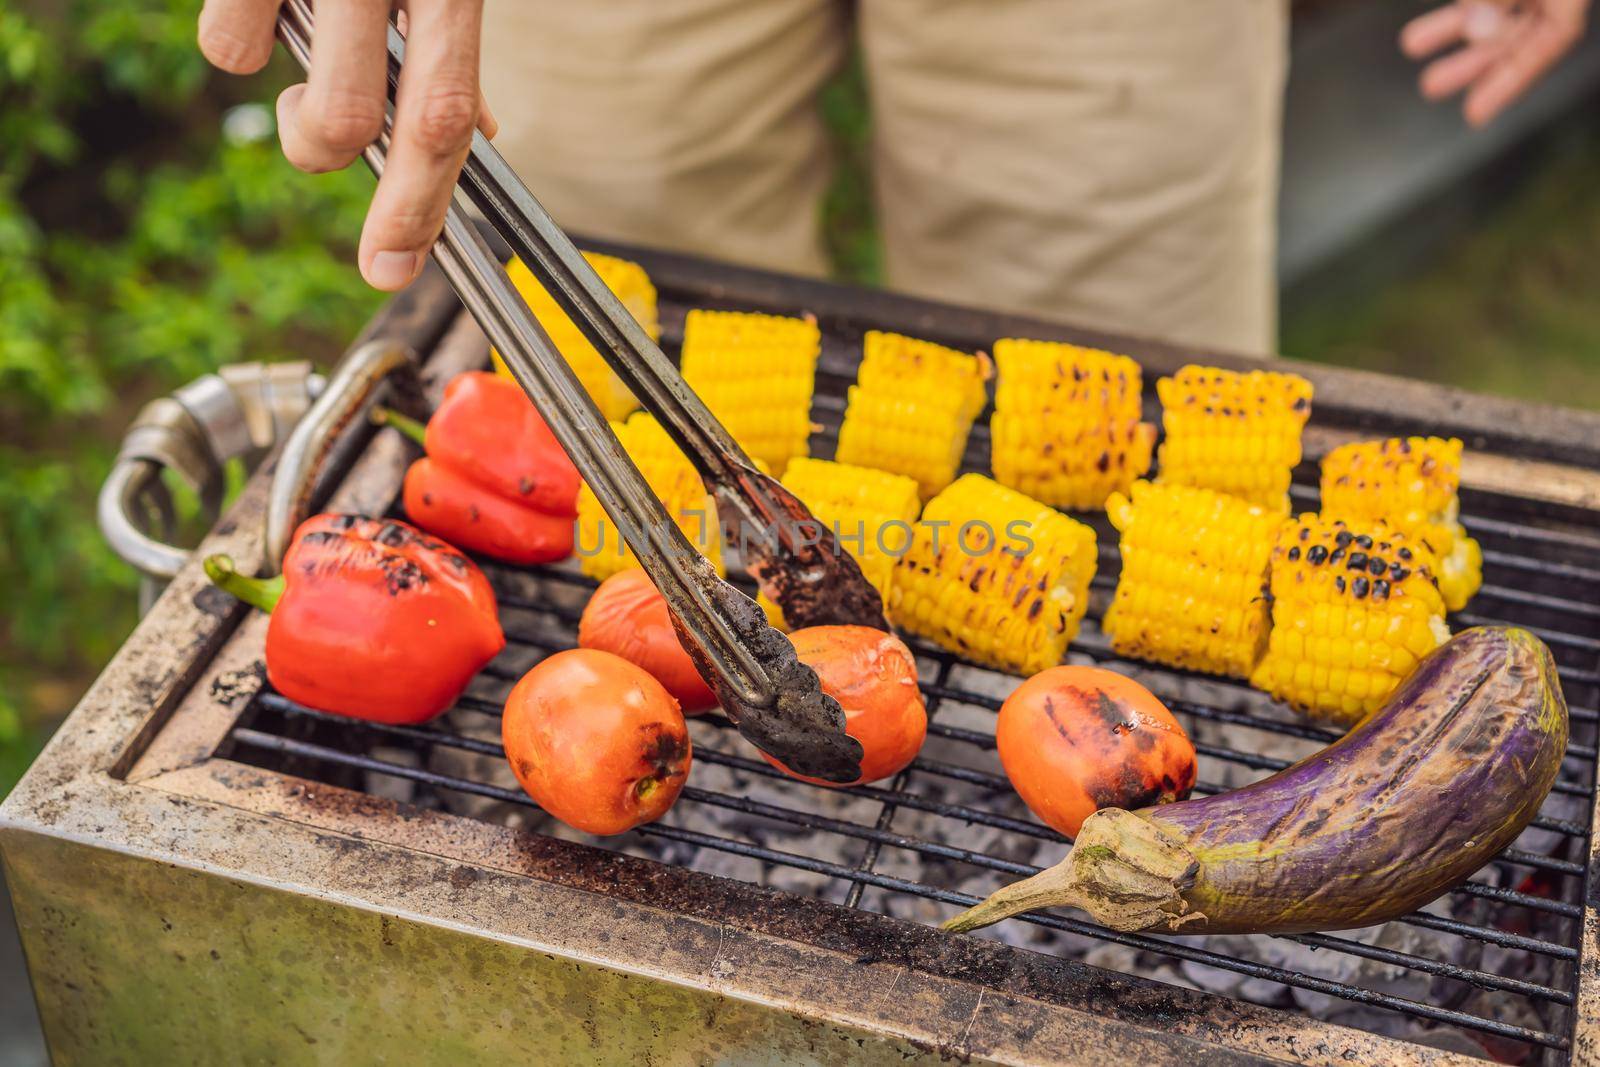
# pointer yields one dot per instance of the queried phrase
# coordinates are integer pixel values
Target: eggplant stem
(262, 593)
(1124, 870)
(1053, 887)
(413, 429)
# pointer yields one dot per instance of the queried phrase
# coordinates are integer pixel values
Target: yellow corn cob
(755, 372)
(1351, 615)
(870, 513)
(601, 549)
(1236, 433)
(911, 409)
(631, 285)
(1066, 426)
(1410, 484)
(995, 576)
(1194, 570)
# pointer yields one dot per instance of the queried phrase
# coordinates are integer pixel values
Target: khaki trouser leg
(687, 124)
(1112, 163)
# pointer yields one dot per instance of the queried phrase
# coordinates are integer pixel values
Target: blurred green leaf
(139, 249)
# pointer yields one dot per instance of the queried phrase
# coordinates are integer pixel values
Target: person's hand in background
(1506, 46)
(325, 122)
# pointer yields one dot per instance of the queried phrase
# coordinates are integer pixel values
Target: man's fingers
(1483, 20)
(1427, 34)
(341, 111)
(1448, 76)
(486, 120)
(237, 35)
(1522, 64)
(435, 115)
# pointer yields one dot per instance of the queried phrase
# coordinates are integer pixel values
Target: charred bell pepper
(494, 480)
(372, 619)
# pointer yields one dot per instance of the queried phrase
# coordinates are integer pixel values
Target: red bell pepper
(494, 480)
(371, 619)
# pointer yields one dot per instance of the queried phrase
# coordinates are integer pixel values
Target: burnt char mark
(320, 537)
(1050, 713)
(1111, 713)
(664, 749)
(401, 575)
(398, 535)
(393, 535)
(525, 485)
(1311, 826)
(1126, 786)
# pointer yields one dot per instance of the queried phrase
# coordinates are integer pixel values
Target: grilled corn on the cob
(1409, 483)
(995, 576)
(601, 548)
(1236, 433)
(1193, 591)
(755, 372)
(870, 513)
(1066, 427)
(1353, 610)
(911, 409)
(631, 286)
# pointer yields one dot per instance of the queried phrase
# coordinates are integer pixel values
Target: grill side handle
(351, 390)
(239, 412)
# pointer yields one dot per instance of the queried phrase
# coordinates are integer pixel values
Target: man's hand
(326, 122)
(1506, 46)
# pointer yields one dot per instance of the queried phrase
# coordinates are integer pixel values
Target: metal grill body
(204, 870)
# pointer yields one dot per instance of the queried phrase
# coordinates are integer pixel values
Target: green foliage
(849, 217)
(1508, 307)
(139, 248)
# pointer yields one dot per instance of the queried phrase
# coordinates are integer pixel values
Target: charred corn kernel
(1353, 610)
(755, 372)
(911, 409)
(1192, 592)
(1066, 427)
(631, 286)
(869, 512)
(995, 576)
(601, 549)
(1232, 432)
(1410, 484)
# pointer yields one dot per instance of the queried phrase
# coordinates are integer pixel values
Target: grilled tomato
(626, 616)
(874, 678)
(596, 741)
(1077, 739)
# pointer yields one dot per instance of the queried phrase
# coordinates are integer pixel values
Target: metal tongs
(773, 698)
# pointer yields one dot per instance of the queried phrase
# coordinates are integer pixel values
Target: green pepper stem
(404, 423)
(260, 593)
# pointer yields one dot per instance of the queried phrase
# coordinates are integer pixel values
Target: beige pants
(1111, 163)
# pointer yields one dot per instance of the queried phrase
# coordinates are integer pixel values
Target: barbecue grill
(204, 871)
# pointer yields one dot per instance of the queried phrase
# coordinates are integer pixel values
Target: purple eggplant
(1414, 799)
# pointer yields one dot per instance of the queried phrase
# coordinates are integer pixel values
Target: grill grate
(1538, 930)
(1496, 958)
